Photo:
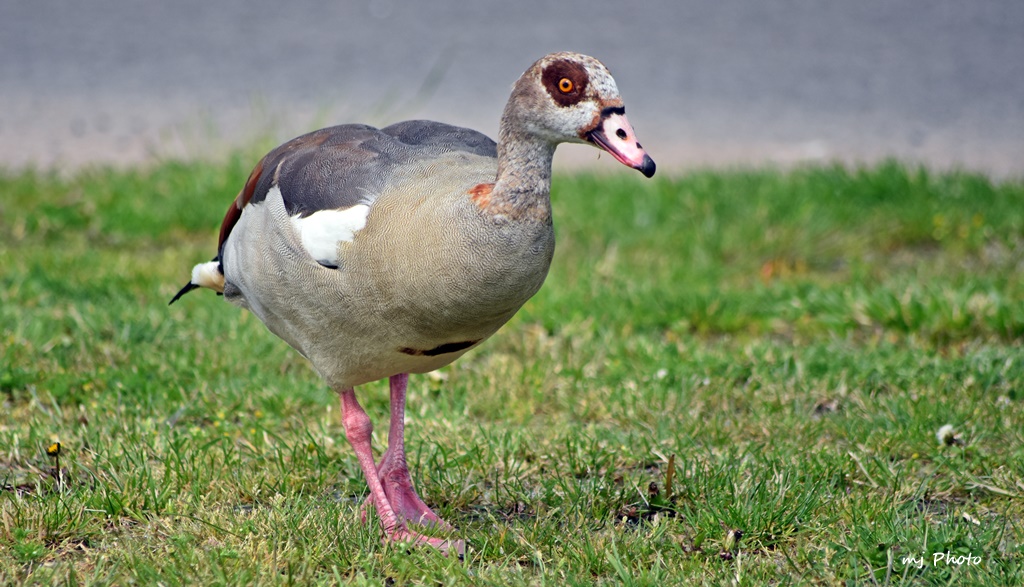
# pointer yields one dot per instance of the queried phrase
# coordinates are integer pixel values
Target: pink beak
(614, 134)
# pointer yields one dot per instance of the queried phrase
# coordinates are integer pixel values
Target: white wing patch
(323, 231)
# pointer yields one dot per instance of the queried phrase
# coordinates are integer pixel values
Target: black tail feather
(188, 287)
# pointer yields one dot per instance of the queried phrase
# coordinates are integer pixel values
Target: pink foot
(456, 547)
(406, 503)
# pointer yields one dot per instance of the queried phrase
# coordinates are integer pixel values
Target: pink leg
(358, 430)
(393, 470)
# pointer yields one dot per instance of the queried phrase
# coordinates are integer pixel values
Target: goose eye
(565, 85)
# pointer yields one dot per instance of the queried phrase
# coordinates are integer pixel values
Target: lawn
(807, 376)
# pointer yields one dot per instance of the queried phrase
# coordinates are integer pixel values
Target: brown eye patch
(565, 81)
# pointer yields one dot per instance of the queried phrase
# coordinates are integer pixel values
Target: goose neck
(524, 164)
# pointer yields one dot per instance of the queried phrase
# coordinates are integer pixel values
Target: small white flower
(947, 436)
(437, 376)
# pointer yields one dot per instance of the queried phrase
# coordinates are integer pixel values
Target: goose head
(572, 98)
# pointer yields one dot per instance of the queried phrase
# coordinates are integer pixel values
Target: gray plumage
(382, 252)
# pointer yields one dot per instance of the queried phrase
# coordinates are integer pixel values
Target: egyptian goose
(382, 252)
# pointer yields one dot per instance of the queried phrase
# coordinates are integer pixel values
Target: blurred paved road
(721, 82)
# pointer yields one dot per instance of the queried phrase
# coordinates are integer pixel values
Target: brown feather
(235, 209)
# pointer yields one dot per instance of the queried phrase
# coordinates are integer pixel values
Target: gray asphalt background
(705, 82)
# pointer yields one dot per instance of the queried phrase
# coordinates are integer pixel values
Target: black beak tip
(647, 167)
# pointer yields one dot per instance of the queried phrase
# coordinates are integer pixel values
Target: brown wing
(235, 209)
(341, 166)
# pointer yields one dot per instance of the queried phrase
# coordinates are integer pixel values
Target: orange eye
(565, 85)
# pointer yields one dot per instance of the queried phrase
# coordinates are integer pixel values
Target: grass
(729, 377)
